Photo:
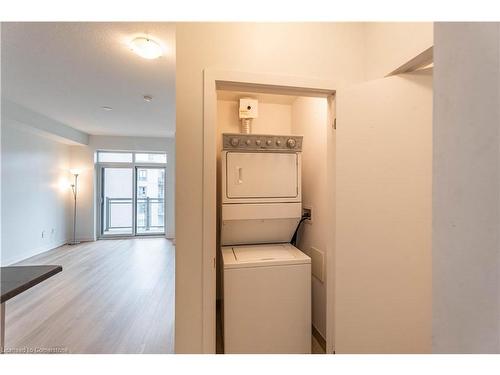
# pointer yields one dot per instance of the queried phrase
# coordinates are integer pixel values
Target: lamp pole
(74, 187)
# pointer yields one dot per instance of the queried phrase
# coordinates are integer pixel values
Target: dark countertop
(17, 279)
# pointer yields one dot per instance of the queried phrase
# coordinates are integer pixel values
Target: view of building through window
(123, 211)
(150, 200)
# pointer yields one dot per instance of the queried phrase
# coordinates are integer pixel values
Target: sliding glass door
(117, 201)
(131, 200)
(150, 191)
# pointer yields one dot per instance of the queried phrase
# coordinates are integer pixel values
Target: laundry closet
(271, 191)
(366, 183)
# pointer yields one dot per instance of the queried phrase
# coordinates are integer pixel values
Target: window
(145, 175)
(142, 175)
(141, 192)
(151, 158)
(130, 157)
(114, 157)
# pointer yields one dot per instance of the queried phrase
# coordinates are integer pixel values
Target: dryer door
(261, 175)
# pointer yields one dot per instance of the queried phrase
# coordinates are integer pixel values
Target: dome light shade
(146, 48)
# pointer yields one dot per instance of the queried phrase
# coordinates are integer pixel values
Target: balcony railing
(150, 214)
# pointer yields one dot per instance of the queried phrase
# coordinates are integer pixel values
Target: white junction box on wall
(249, 108)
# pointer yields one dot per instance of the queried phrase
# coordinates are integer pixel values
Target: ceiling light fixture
(148, 98)
(146, 48)
(106, 108)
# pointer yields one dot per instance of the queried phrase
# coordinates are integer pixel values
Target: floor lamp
(74, 188)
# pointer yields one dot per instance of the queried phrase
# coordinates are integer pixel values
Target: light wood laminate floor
(113, 296)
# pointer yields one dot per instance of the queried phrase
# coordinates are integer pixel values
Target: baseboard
(82, 240)
(127, 238)
(319, 338)
(35, 252)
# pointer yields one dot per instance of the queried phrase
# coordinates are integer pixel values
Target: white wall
(321, 50)
(35, 192)
(309, 118)
(466, 188)
(391, 44)
(82, 157)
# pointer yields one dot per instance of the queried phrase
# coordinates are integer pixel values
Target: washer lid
(266, 252)
(262, 255)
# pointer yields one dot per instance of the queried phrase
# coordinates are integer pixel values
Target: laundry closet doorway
(225, 86)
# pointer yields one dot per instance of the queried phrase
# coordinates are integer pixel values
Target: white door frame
(259, 82)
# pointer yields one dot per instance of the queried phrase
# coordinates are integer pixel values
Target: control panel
(263, 142)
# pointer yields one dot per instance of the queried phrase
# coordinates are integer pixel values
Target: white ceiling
(68, 71)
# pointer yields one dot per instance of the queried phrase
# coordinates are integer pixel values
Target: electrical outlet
(43, 234)
(307, 210)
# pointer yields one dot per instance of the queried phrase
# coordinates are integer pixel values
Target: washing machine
(266, 281)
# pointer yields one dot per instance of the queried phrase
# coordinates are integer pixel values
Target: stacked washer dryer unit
(266, 280)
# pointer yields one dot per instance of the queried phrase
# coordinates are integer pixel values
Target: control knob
(235, 142)
(268, 142)
(248, 141)
(291, 143)
(278, 142)
(257, 142)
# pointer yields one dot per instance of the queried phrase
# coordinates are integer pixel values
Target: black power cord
(305, 216)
